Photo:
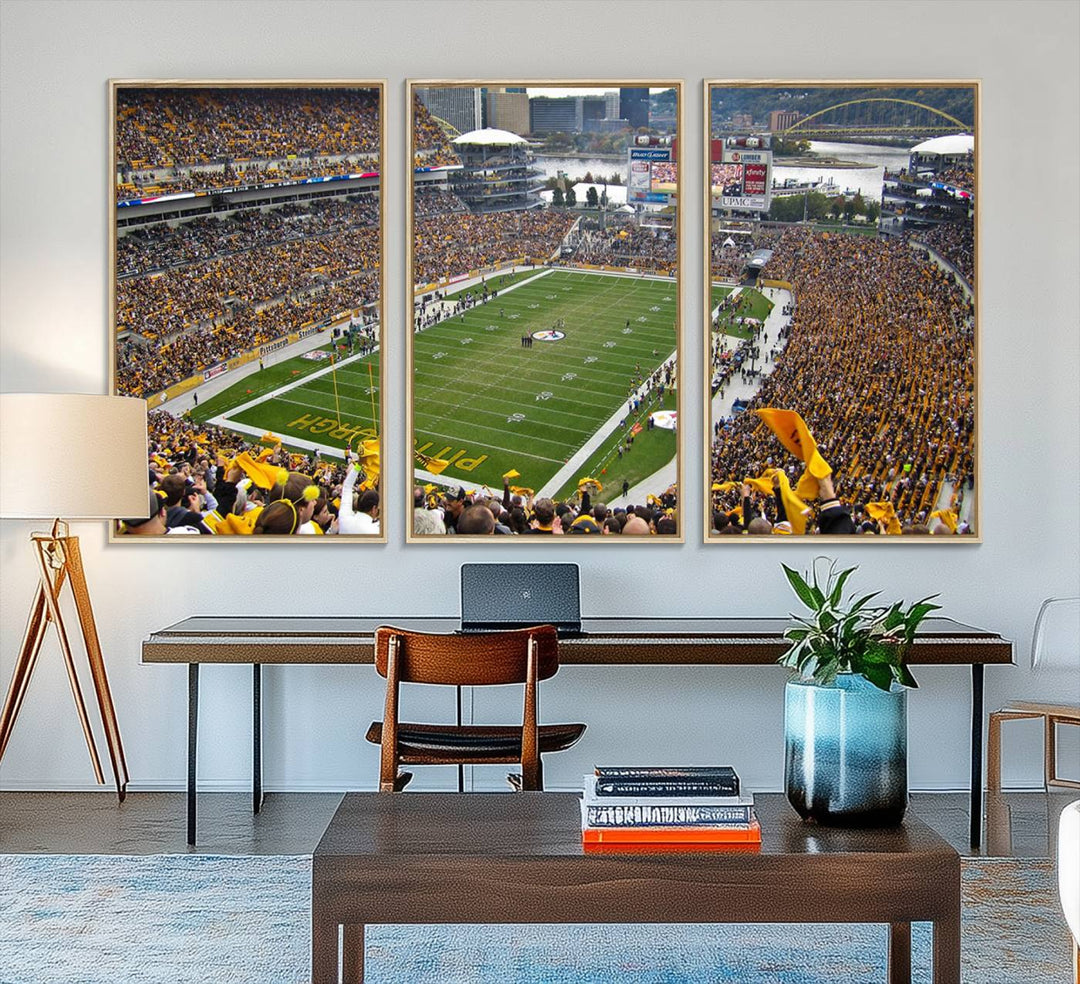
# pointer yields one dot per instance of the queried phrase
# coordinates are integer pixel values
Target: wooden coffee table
(517, 858)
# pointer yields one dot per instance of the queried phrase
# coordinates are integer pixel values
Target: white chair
(1055, 645)
(1069, 875)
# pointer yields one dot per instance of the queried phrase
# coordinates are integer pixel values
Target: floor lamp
(98, 443)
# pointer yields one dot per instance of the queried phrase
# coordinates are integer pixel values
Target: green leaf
(880, 676)
(837, 592)
(893, 617)
(800, 587)
(876, 653)
(857, 606)
(903, 675)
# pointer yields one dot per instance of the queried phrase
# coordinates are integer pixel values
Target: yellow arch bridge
(849, 118)
(862, 117)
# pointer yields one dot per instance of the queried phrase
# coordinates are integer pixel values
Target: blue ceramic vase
(846, 751)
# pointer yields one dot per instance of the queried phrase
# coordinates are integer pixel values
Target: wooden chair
(1055, 644)
(486, 659)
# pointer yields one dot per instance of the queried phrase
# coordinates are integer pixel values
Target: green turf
(754, 305)
(472, 377)
(497, 281)
(294, 412)
(719, 292)
(651, 450)
(255, 385)
(846, 230)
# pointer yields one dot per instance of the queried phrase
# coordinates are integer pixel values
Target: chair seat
(473, 743)
(1033, 707)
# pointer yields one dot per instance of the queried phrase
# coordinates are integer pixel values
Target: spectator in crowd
(476, 520)
(153, 524)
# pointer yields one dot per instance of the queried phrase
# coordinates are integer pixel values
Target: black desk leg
(256, 738)
(192, 748)
(976, 752)
(461, 767)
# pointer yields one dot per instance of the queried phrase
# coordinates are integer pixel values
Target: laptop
(514, 596)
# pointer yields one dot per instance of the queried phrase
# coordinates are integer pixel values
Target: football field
(487, 403)
(306, 401)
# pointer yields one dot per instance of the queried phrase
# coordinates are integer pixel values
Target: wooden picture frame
(859, 311)
(247, 299)
(491, 250)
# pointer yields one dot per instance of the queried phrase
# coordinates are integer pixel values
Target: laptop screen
(515, 595)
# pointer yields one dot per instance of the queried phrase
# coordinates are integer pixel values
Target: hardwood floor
(1021, 824)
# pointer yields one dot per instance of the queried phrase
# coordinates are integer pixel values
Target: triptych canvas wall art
(543, 352)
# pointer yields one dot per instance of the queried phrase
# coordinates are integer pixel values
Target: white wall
(56, 58)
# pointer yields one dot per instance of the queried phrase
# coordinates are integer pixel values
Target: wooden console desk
(321, 639)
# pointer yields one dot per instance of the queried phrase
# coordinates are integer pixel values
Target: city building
(554, 115)
(634, 106)
(460, 106)
(508, 110)
(782, 119)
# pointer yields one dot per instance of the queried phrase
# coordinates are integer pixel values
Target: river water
(576, 167)
(866, 180)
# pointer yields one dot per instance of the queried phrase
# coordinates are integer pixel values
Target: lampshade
(72, 456)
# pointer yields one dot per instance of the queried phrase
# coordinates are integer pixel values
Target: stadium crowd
(436, 201)
(642, 247)
(229, 286)
(728, 255)
(205, 480)
(448, 245)
(960, 175)
(953, 241)
(146, 249)
(522, 513)
(179, 139)
(879, 362)
(173, 126)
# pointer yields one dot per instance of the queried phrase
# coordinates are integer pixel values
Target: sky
(555, 91)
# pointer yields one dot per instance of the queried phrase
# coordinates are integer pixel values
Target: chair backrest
(1055, 642)
(468, 660)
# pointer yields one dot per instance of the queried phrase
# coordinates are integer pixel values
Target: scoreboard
(650, 170)
(741, 174)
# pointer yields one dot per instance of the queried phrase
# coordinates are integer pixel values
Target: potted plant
(845, 714)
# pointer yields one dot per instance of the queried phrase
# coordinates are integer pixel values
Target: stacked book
(673, 806)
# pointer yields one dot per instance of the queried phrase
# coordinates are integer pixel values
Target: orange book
(637, 847)
(733, 834)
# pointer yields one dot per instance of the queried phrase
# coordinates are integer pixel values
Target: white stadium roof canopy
(957, 143)
(489, 137)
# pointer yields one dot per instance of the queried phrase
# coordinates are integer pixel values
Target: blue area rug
(174, 919)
